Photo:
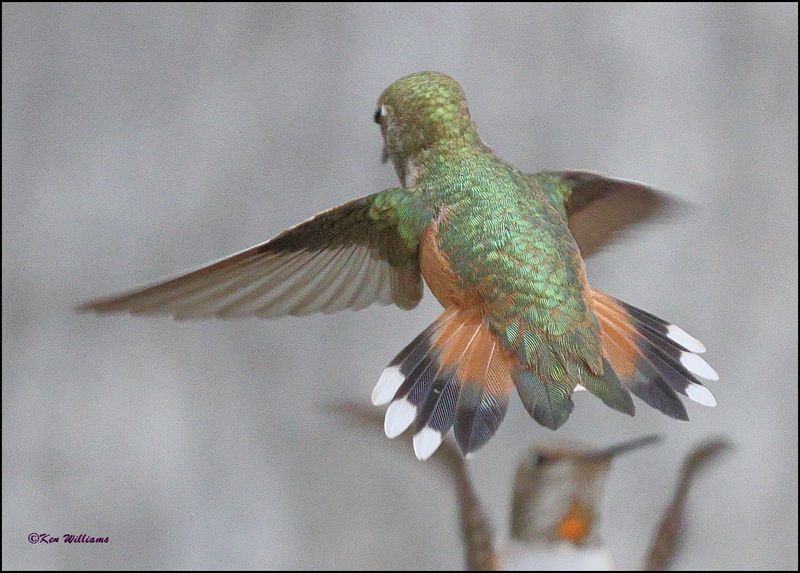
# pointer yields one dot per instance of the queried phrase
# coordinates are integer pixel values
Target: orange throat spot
(576, 525)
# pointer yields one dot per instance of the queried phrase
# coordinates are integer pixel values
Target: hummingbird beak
(627, 446)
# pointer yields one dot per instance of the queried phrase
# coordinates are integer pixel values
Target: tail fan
(653, 359)
(456, 374)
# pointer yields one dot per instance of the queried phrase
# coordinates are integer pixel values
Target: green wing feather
(350, 256)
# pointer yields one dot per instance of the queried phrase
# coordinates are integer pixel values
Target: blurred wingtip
(706, 453)
(84, 308)
(669, 533)
(354, 414)
(630, 445)
(544, 454)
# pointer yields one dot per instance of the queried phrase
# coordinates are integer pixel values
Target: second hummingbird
(502, 251)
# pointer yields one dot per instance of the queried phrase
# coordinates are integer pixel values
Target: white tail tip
(398, 417)
(387, 386)
(689, 342)
(696, 365)
(701, 395)
(426, 442)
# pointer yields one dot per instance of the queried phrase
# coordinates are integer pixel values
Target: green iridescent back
(506, 242)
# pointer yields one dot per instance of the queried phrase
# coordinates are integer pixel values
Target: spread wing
(671, 529)
(347, 257)
(599, 208)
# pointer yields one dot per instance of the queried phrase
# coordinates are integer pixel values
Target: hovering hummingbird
(555, 509)
(500, 249)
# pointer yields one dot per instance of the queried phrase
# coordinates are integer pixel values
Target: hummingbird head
(559, 491)
(419, 112)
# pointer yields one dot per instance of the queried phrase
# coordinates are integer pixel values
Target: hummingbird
(555, 509)
(558, 494)
(502, 251)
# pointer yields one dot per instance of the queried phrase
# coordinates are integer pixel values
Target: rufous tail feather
(651, 358)
(456, 374)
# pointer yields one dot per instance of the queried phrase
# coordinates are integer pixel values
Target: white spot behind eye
(383, 111)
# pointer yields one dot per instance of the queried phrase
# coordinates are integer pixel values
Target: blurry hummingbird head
(420, 112)
(558, 492)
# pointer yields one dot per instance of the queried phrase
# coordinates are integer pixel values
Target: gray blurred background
(139, 141)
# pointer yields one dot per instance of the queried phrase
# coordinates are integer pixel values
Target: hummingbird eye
(377, 115)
